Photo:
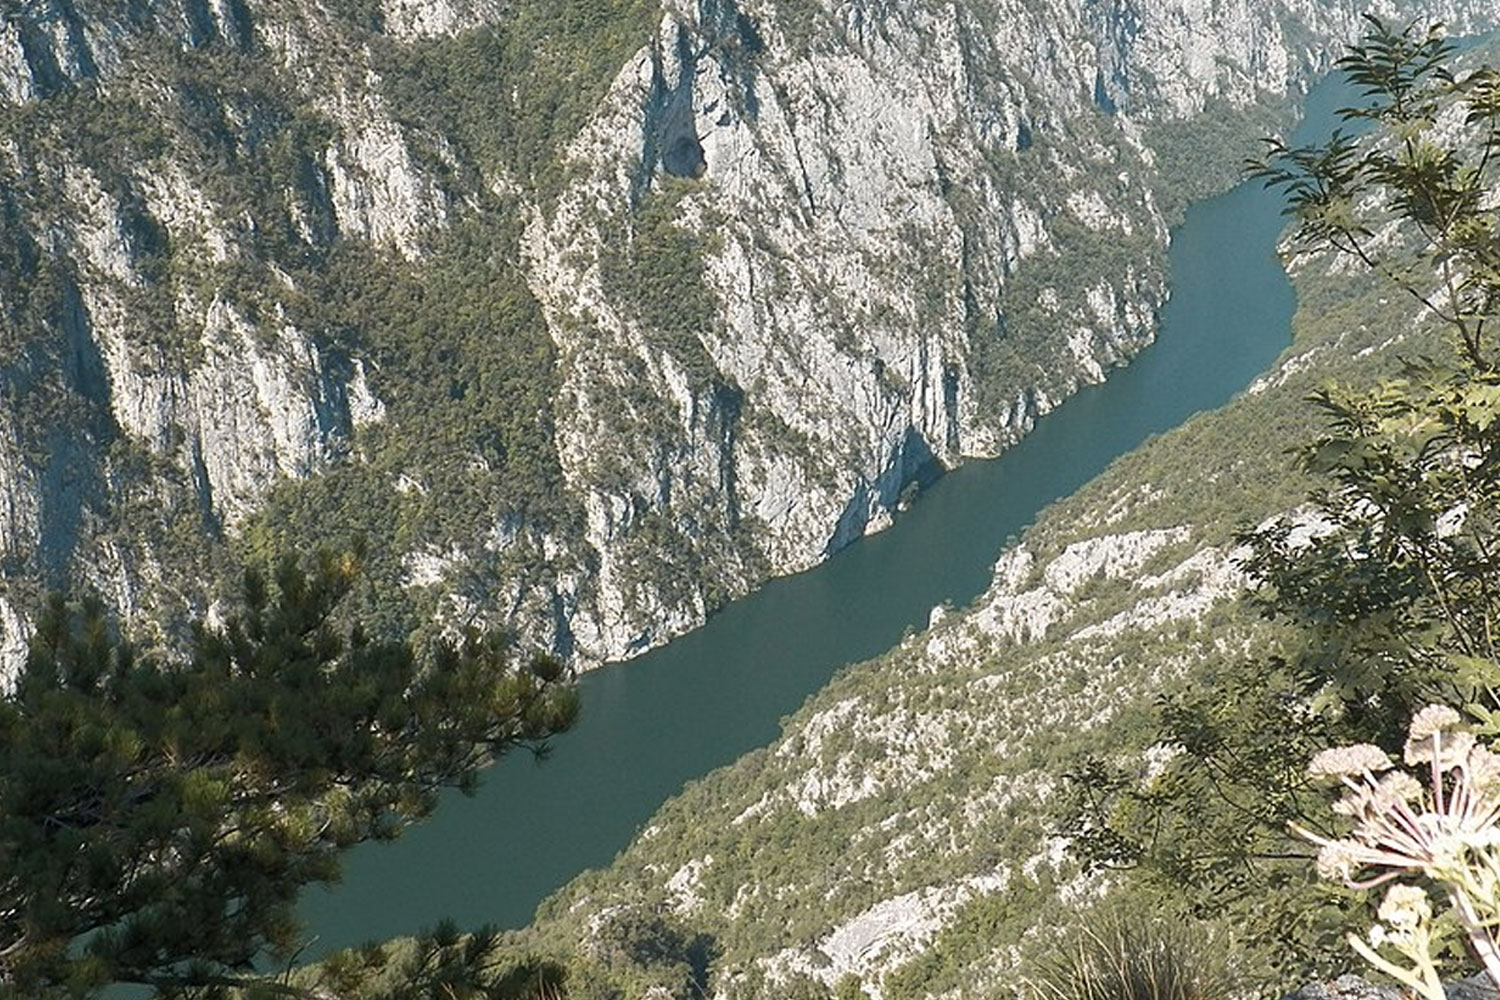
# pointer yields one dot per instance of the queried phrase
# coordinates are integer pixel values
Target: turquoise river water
(698, 703)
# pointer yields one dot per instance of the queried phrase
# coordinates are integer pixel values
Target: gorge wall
(588, 317)
(919, 827)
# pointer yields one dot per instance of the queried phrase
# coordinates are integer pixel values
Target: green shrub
(1136, 958)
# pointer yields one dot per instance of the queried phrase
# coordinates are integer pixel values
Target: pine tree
(159, 816)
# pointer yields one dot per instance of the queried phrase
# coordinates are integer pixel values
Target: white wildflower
(1352, 761)
(1338, 860)
(1447, 833)
(1483, 770)
(1405, 906)
(1398, 786)
(1445, 750)
(1430, 720)
(1366, 799)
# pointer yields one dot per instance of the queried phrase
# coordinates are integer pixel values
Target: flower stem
(1479, 936)
(1429, 986)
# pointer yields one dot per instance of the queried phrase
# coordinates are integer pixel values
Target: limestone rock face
(787, 260)
(914, 830)
(1346, 987)
(1352, 987)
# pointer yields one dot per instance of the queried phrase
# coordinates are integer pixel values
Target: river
(706, 698)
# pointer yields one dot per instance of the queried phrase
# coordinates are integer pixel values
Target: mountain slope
(902, 834)
(588, 316)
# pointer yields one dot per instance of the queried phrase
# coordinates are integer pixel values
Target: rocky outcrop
(792, 259)
(1352, 987)
(909, 832)
(905, 818)
(856, 292)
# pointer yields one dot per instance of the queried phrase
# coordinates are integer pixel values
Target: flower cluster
(1447, 832)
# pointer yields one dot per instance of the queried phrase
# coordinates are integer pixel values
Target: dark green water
(705, 699)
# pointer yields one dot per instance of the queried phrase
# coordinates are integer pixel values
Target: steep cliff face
(907, 835)
(589, 316)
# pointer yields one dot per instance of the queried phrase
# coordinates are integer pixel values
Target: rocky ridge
(778, 261)
(905, 834)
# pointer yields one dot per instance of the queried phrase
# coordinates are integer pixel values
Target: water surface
(706, 698)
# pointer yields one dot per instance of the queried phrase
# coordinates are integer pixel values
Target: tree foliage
(442, 963)
(1393, 576)
(158, 818)
(1387, 575)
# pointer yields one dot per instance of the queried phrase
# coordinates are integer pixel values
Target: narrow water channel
(703, 700)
